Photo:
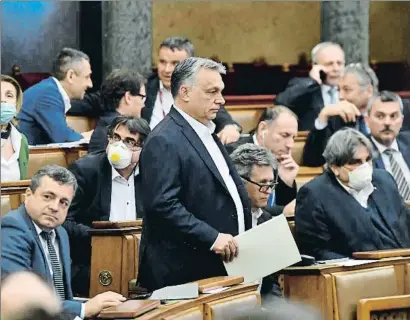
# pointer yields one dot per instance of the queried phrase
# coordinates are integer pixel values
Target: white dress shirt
(361, 196)
(204, 132)
(319, 124)
(256, 213)
(66, 98)
(123, 197)
(162, 105)
(398, 156)
(10, 169)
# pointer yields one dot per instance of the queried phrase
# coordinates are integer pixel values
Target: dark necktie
(55, 265)
(402, 184)
(362, 125)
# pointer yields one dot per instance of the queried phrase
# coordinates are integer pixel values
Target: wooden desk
(306, 174)
(12, 194)
(313, 285)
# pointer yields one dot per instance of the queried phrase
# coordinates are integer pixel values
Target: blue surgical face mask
(8, 112)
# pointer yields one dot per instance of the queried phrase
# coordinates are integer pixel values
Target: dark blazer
(21, 249)
(42, 116)
(304, 97)
(99, 138)
(403, 141)
(330, 223)
(186, 206)
(92, 202)
(222, 119)
(283, 193)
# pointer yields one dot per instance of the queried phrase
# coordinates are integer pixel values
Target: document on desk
(263, 250)
(178, 292)
(62, 144)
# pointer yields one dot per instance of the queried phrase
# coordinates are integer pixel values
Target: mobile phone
(322, 75)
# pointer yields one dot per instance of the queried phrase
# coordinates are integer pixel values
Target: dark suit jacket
(222, 119)
(21, 249)
(304, 97)
(99, 138)
(92, 202)
(186, 206)
(330, 223)
(42, 116)
(283, 193)
(403, 141)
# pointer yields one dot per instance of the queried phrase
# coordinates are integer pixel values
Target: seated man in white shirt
(108, 189)
(256, 166)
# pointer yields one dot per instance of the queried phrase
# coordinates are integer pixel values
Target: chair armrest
(366, 306)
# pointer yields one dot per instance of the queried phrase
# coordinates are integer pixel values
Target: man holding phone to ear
(307, 96)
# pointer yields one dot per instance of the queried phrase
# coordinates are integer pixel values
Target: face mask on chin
(8, 112)
(360, 177)
(119, 155)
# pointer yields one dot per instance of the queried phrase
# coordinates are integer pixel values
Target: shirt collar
(162, 88)
(39, 230)
(256, 212)
(382, 148)
(201, 129)
(362, 194)
(63, 93)
(115, 173)
(255, 140)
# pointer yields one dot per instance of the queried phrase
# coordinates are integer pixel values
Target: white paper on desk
(179, 292)
(62, 144)
(263, 250)
(351, 262)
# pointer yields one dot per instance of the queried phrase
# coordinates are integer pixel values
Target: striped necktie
(55, 265)
(332, 95)
(404, 188)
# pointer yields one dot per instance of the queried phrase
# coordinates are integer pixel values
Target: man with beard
(384, 119)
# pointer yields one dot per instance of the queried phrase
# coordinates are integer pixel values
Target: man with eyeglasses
(351, 206)
(108, 190)
(256, 166)
(122, 93)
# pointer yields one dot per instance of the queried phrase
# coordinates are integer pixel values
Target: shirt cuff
(214, 242)
(82, 313)
(320, 124)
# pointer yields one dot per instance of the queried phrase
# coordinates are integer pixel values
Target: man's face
(351, 91)
(131, 141)
(204, 98)
(262, 175)
(332, 58)
(167, 60)
(80, 79)
(384, 121)
(279, 136)
(134, 104)
(49, 204)
(361, 156)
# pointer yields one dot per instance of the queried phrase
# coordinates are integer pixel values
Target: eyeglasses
(143, 97)
(129, 142)
(262, 187)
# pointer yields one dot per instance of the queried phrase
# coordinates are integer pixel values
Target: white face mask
(360, 177)
(119, 155)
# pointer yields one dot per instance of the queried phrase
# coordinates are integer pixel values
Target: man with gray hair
(256, 166)
(307, 96)
(159, 98)
(351, 206)
(194, 202)
(42, 116)
(32, 239)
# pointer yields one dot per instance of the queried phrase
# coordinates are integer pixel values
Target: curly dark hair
(117, 84)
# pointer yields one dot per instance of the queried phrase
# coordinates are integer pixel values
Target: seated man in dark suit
(256, 166)
(108, 190)
(122, 93)
(307, 96)
(351, 206)
(32, 239)
(42, 116)
(276, 131)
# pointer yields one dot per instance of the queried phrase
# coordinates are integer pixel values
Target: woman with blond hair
(14, 146)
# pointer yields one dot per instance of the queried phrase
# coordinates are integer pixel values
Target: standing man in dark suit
(42, 116)
(159, 98)
(351, 206)
(256, 166)
(33, 239)
(194, 200)
(277, 129)
(307, 96)
(122, 93)
(108, 190)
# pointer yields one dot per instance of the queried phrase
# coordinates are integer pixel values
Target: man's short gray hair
(248, 155)
(186, 71)
(59, 174)
(178, 43)
(364, 75)
(343, 145)
(65, 60)
(384, 96)
(320, 46)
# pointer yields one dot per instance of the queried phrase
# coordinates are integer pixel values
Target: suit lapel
(138, 199)
(63, 247)
(377, 160)
(405, 151)
(106, 185)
